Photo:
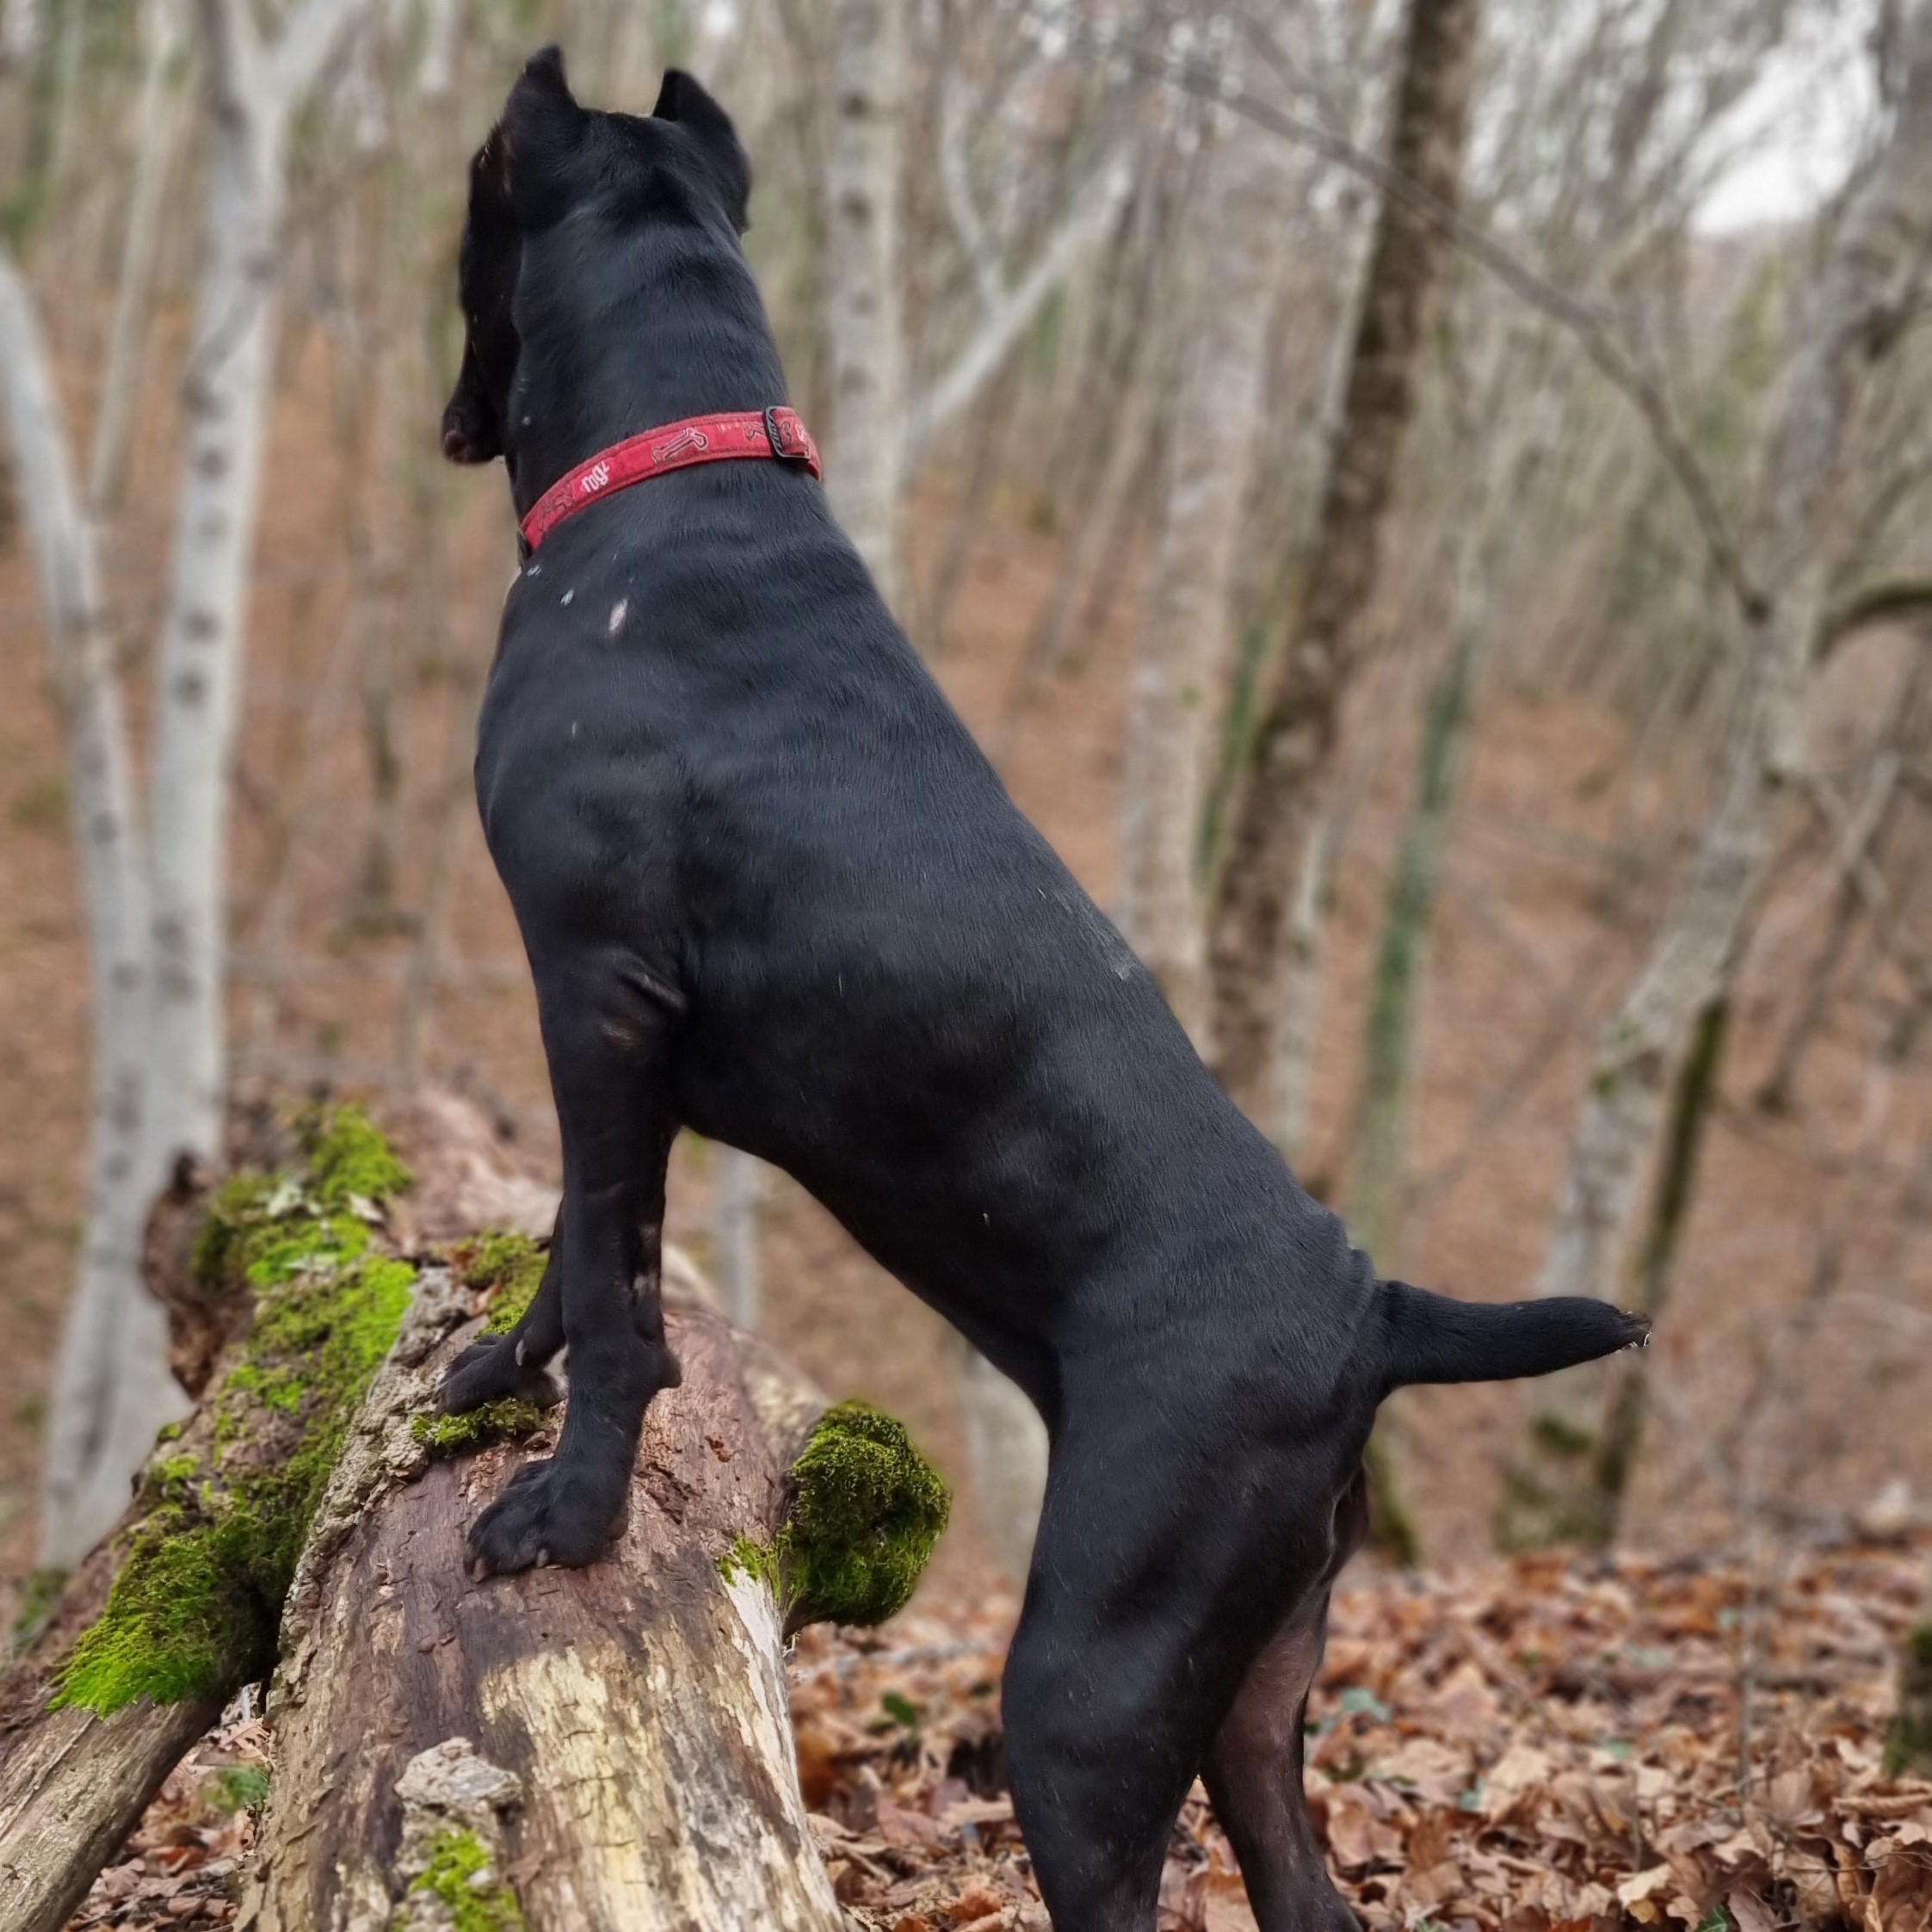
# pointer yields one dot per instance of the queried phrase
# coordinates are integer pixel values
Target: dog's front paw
(490, 1372)
(549, 1512)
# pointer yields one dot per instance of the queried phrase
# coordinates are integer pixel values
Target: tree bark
(865, 322)
(1231, 271)
(1294, 739)
(616, 1739)
(1868, 285)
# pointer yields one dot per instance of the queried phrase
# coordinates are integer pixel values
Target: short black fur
(771, 890)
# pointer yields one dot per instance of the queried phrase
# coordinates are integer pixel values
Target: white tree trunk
(154, 918)
(114, 1356)
(1874, 273)
(1231, 270)
(737, 1188)
(199, 684)
(22, 27)
(1301, 993)
(157, 127)
(437, 72)
(865, 323)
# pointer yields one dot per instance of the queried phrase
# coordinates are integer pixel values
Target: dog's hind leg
(1254, 1772)
(609, 1047)
(1156, 1576)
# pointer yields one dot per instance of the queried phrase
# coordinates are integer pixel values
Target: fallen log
(607, 1747)
(176, 1609)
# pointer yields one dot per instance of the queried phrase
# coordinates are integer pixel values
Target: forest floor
(1547, 1745)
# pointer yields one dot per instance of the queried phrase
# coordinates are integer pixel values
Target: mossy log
(600, 1749)
(178, 1609)
(589, 1749)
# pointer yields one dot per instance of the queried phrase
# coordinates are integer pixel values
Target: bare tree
(1869, 285)
(1230, 275)
(158, 916)
(1296, 729)
(114, 1357)
(864, 319)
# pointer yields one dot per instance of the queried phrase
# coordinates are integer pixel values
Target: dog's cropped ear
(682, 99)
(541, 131)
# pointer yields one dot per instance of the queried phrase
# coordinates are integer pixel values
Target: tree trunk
(1866, 288)
(155, 919)
(199, 675)
(1231, 272)
(738, 1188)
(114, 1352)
(158, 123)
(601, 1749)
(1294, 739)
(865, 322)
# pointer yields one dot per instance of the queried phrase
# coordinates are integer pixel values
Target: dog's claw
(550, 1512)
(489, 1371)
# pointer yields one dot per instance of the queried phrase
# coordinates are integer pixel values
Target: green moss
(507, 1421)
(867, 1511)
(759, 1561)
(195, 1602)
(509, 1265)
(350, 1161)
(458, 1861)
(237, 1788)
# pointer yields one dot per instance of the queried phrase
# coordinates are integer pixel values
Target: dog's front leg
(609, 1049)
(513, 1364)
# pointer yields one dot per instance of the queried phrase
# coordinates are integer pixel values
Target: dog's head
(549, 161)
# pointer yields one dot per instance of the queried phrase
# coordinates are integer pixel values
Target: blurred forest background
(1425, 507)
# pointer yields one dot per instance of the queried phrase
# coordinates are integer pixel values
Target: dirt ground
(1564, 851)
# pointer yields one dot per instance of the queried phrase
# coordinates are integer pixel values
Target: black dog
(770, 888)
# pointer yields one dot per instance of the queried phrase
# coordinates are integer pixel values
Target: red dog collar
(675, 445)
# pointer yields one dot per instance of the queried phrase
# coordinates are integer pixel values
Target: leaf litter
(1548, 1744)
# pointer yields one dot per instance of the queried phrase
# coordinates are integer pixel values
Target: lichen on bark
(224, 1507)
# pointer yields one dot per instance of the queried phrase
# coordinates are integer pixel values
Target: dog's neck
(667, 324)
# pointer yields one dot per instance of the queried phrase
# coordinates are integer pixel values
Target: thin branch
(1593, 333)
(982, 258)
(306, 45)
(1893, 600)
(947, 398)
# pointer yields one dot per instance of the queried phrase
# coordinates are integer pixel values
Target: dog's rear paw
(490, 1372)
(548, 1512)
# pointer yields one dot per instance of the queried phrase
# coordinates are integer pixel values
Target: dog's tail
(1433, 1338)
